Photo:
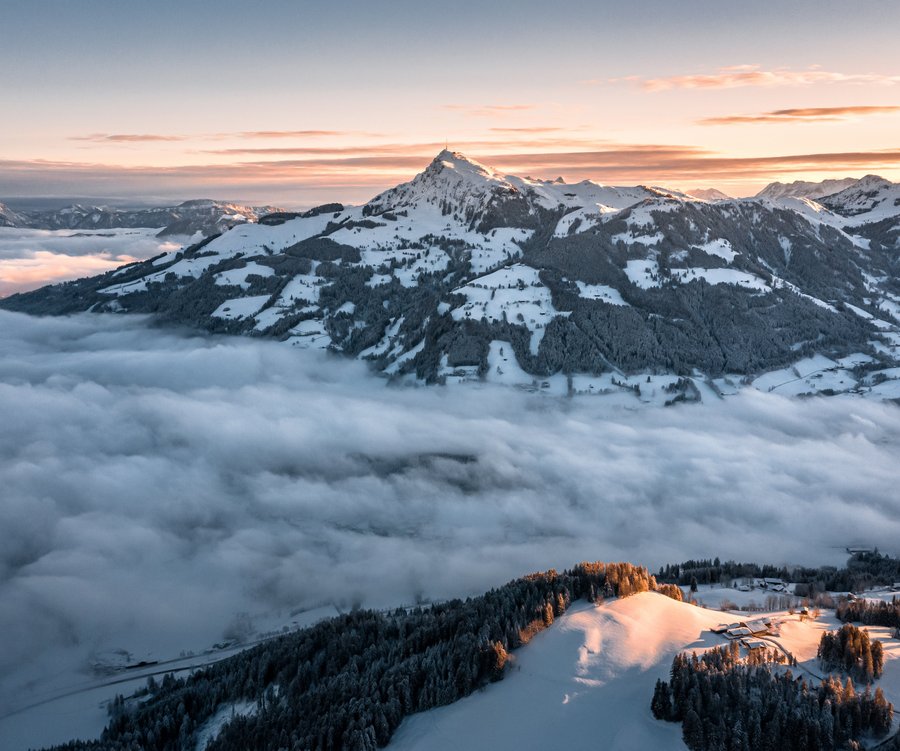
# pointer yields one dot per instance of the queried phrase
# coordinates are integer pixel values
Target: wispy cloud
(802, 115)
(536, 129)
(243, 135)
(668, 164)
(127, 138)
(295, 134)
(354, 175)
(488, 110)
(517, 138)
(337, 151)
(754, 75)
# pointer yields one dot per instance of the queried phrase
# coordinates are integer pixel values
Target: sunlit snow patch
(721, 276)
(643, 273)
(600, 292)
(238, 277)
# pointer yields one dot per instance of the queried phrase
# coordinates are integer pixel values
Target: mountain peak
(806, 189)
(452, 181)
(870, 182)
(461, 164)
(195, 203)
(871, 198)
(709, 194)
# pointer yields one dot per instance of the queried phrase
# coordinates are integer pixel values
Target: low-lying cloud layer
(155, 483)
(31, 258)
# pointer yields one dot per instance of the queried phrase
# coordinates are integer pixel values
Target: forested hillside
(348, 682)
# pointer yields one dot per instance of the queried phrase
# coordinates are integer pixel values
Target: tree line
(725, 704)
(862, 571)
(851, 651)
(870, 613)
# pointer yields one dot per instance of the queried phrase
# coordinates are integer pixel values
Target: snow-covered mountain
(710, 194)
(464, 272)
(869, 199)
(10, 218)
(473, 192)
(870, 209)
(805, 189)
(200, 215)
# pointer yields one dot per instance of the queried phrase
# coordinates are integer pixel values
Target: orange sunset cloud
(754, 75)
(801, 115)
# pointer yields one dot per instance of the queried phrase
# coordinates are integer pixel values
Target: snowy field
(586, 682)
(31, 258)
(583, 684)
(143, 469)
(515, 294)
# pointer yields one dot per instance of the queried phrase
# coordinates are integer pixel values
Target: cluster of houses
(773, 585)
(746, 631)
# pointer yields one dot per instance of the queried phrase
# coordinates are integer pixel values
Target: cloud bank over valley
(31, 258)
(156, 483)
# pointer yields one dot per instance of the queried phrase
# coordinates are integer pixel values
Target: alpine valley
(187, 218)
(464, 273)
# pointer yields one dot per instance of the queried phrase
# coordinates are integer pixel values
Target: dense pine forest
(347, 683)
(851, 651)
(870, 613)
(723, 703)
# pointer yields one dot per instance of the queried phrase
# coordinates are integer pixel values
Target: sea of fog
(31, 258)
(155, 483)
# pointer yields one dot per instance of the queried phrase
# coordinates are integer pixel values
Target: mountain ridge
(203, 215)
(807, 189)
(466, 273)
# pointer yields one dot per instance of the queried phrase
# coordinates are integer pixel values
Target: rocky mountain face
(10, 218)
(203, 215)
(804, 189)
(710, 194)
(466, 273)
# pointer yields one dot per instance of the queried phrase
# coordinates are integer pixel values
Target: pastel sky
(297, 103)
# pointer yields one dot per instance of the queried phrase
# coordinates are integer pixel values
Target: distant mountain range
(203, 215)
(804, 189)
(465, 272)
(710, 194)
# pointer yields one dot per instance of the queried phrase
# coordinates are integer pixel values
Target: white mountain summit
(805, 189)
(460, 185)
(464, 272)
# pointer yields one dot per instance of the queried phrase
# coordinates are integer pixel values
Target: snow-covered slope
(465, 188)
(870, 209)
(431, 279)
(460, 186)
(805, 189)
(709, 194)
(585, 683)
(870, 199)
(10, 218)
